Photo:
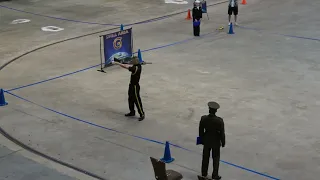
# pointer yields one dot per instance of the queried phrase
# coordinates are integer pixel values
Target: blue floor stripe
(68, 74)
(139, 137)
(286, 35)
(159, 47)
(249, 170)
(57, 18)
(142, 22)
(299, 37)
(85, 69)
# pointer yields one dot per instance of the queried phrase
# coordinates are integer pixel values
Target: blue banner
(117, 45)
(204, 6)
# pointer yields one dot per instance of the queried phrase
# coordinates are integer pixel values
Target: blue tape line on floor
(147, 21)
(139, 137)
(142, 22)
(57, 18)
(246, 169)
(176, 43)
(286, 35)
(180, 42)
(81, 70)
(86, 22)
(174, 14)
(55, 77)
(151, 20)
(299, 37)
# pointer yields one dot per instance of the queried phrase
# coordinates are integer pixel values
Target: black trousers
(206, 158)
(134, 99)
(196, 29)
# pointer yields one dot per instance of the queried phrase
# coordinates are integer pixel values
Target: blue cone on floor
(167, 154)
(140, 57)
(231, 29)
(121, 27)
(2, 99)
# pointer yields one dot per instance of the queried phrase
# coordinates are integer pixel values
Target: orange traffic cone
(244, 2)
(189, 15)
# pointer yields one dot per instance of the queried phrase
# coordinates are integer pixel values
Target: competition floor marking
(136, 136)
(94, 66)
(203, 72)
(51, 29)
(316, 39)
(176, 2)
(151, 49)
(57, 18)
(104, 24)
(280, 34)
(20, 21)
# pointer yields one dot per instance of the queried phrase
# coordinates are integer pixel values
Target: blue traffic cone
(167, 155)
(231, 29)
(121, 27)
(140, 57)
(2, 100)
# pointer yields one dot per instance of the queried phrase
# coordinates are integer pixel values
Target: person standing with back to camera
(134, 88)
(196, 16)
(233, 9)
(212, 135)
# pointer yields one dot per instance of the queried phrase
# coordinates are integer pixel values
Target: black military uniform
(134, 91)
(196, 15)
(212, 135)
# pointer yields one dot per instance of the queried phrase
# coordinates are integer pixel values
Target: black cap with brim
(213, 105)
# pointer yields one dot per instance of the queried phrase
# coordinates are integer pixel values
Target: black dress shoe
(141, 118)
(203, 178)
(130, 114)
(216, 177)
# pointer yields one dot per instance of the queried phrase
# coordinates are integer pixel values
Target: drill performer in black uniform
(134, 88)
(212, 135)
(196, 15)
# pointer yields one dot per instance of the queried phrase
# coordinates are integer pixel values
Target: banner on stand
(204, 6)
(117, 45)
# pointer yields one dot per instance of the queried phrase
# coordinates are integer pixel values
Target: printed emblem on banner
(117, 43)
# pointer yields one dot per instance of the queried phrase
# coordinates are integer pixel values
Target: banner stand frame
(101, 67)
(131, 45)
(204, 1)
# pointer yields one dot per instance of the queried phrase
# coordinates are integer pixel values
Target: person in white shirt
(233, 9)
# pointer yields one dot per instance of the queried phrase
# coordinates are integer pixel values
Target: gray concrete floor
(267, 84)
(14, 167)
(18, 164)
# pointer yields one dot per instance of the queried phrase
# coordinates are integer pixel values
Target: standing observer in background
(212, 135)
(196, 15)
(134, 88)
(233, 9)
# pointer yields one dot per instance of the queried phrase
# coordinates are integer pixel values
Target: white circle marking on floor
(51, 29)
(20, 21)
(176, 1)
